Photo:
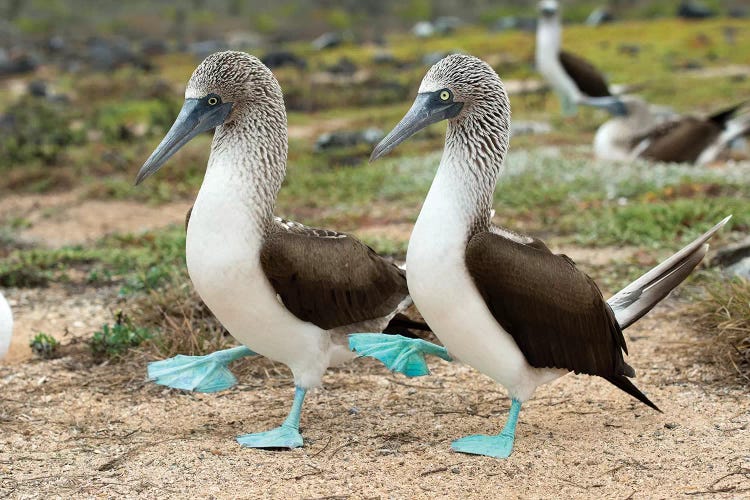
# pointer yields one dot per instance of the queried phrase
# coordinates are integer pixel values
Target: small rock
(455, 470)
(353, 410)
(671, 425)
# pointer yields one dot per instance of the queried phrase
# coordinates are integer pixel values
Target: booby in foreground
(637, 132)
(289, 292)
(6, 326)
(500, 301)
(574, 79)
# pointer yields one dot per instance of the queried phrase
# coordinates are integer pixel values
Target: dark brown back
(554, 312)
(330, 279)
(587, 78)
(681, 141)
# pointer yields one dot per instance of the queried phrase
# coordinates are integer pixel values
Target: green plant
(44, 346)
(113, 341)
(40, 131)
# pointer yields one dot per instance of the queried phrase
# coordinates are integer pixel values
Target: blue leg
(499, 446)
(569, 107)
(286, 435)
(396, 352)
(207, 373)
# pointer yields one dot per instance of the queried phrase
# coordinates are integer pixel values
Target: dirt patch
(72, 429)
(66, 314)
(313, 129)
(66, 219)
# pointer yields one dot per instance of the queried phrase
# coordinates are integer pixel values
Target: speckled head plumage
(239, 96)
(467, 92)
(474, 83)
(237, 78)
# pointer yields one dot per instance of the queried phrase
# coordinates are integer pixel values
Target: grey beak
(425, 111)
(613, 104)
(195, 117)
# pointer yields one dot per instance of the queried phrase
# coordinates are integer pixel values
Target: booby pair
(6, 326)
(286, 291)
(637, 132)
(500, 301)
(574, 79)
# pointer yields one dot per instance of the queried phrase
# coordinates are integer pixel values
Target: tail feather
(734, 128)
(721, 118)
(623, 383)
(400, 324)
(639, 297)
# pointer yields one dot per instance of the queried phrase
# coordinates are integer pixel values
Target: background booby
(574, 79)
(641, 132)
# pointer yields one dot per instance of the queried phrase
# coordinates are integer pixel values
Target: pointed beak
(426, 110)
(195, 118)
(612, 104)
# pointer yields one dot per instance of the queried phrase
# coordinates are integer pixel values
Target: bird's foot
(207, 373)
(499, 446)
(284, 436)
(396, 352)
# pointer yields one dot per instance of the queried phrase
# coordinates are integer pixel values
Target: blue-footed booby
(574, 79)
(637, 132)
(500, 301)
(6, 326)
(284, 290)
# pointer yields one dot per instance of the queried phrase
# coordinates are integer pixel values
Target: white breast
(223, 259)
(447, 298)
(6, 326)
(611, 141)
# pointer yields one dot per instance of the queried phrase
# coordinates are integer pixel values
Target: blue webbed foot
(490, 446)
(207, 373)
(396, 352)
(284, 436)
(500, 446)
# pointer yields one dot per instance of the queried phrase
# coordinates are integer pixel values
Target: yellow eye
(445, 95)
(213, 101)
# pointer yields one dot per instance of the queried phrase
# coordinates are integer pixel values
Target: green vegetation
(113, 341)
(44, 346)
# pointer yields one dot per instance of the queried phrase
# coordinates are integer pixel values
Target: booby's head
(461, 89)
(548, 9)
(224, 87)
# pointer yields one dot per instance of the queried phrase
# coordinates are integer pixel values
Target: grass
(725, 316)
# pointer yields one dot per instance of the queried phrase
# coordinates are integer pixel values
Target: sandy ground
(66, 219)
(71, 428)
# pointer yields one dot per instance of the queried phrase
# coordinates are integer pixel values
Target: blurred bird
(287, 291)
(640, 132)
(498, 300)
(6, 326)
(574, 79)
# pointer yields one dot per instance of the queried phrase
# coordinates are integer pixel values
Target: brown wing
(587, 78)
(681, 141)
(328, 278)
(554, 312)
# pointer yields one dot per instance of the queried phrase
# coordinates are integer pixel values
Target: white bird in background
(6, 326)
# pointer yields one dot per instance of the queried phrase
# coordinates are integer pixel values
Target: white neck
(459, 202)
(548, 38)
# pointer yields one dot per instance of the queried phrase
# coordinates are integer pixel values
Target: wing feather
(554, 312)
(330, 279)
